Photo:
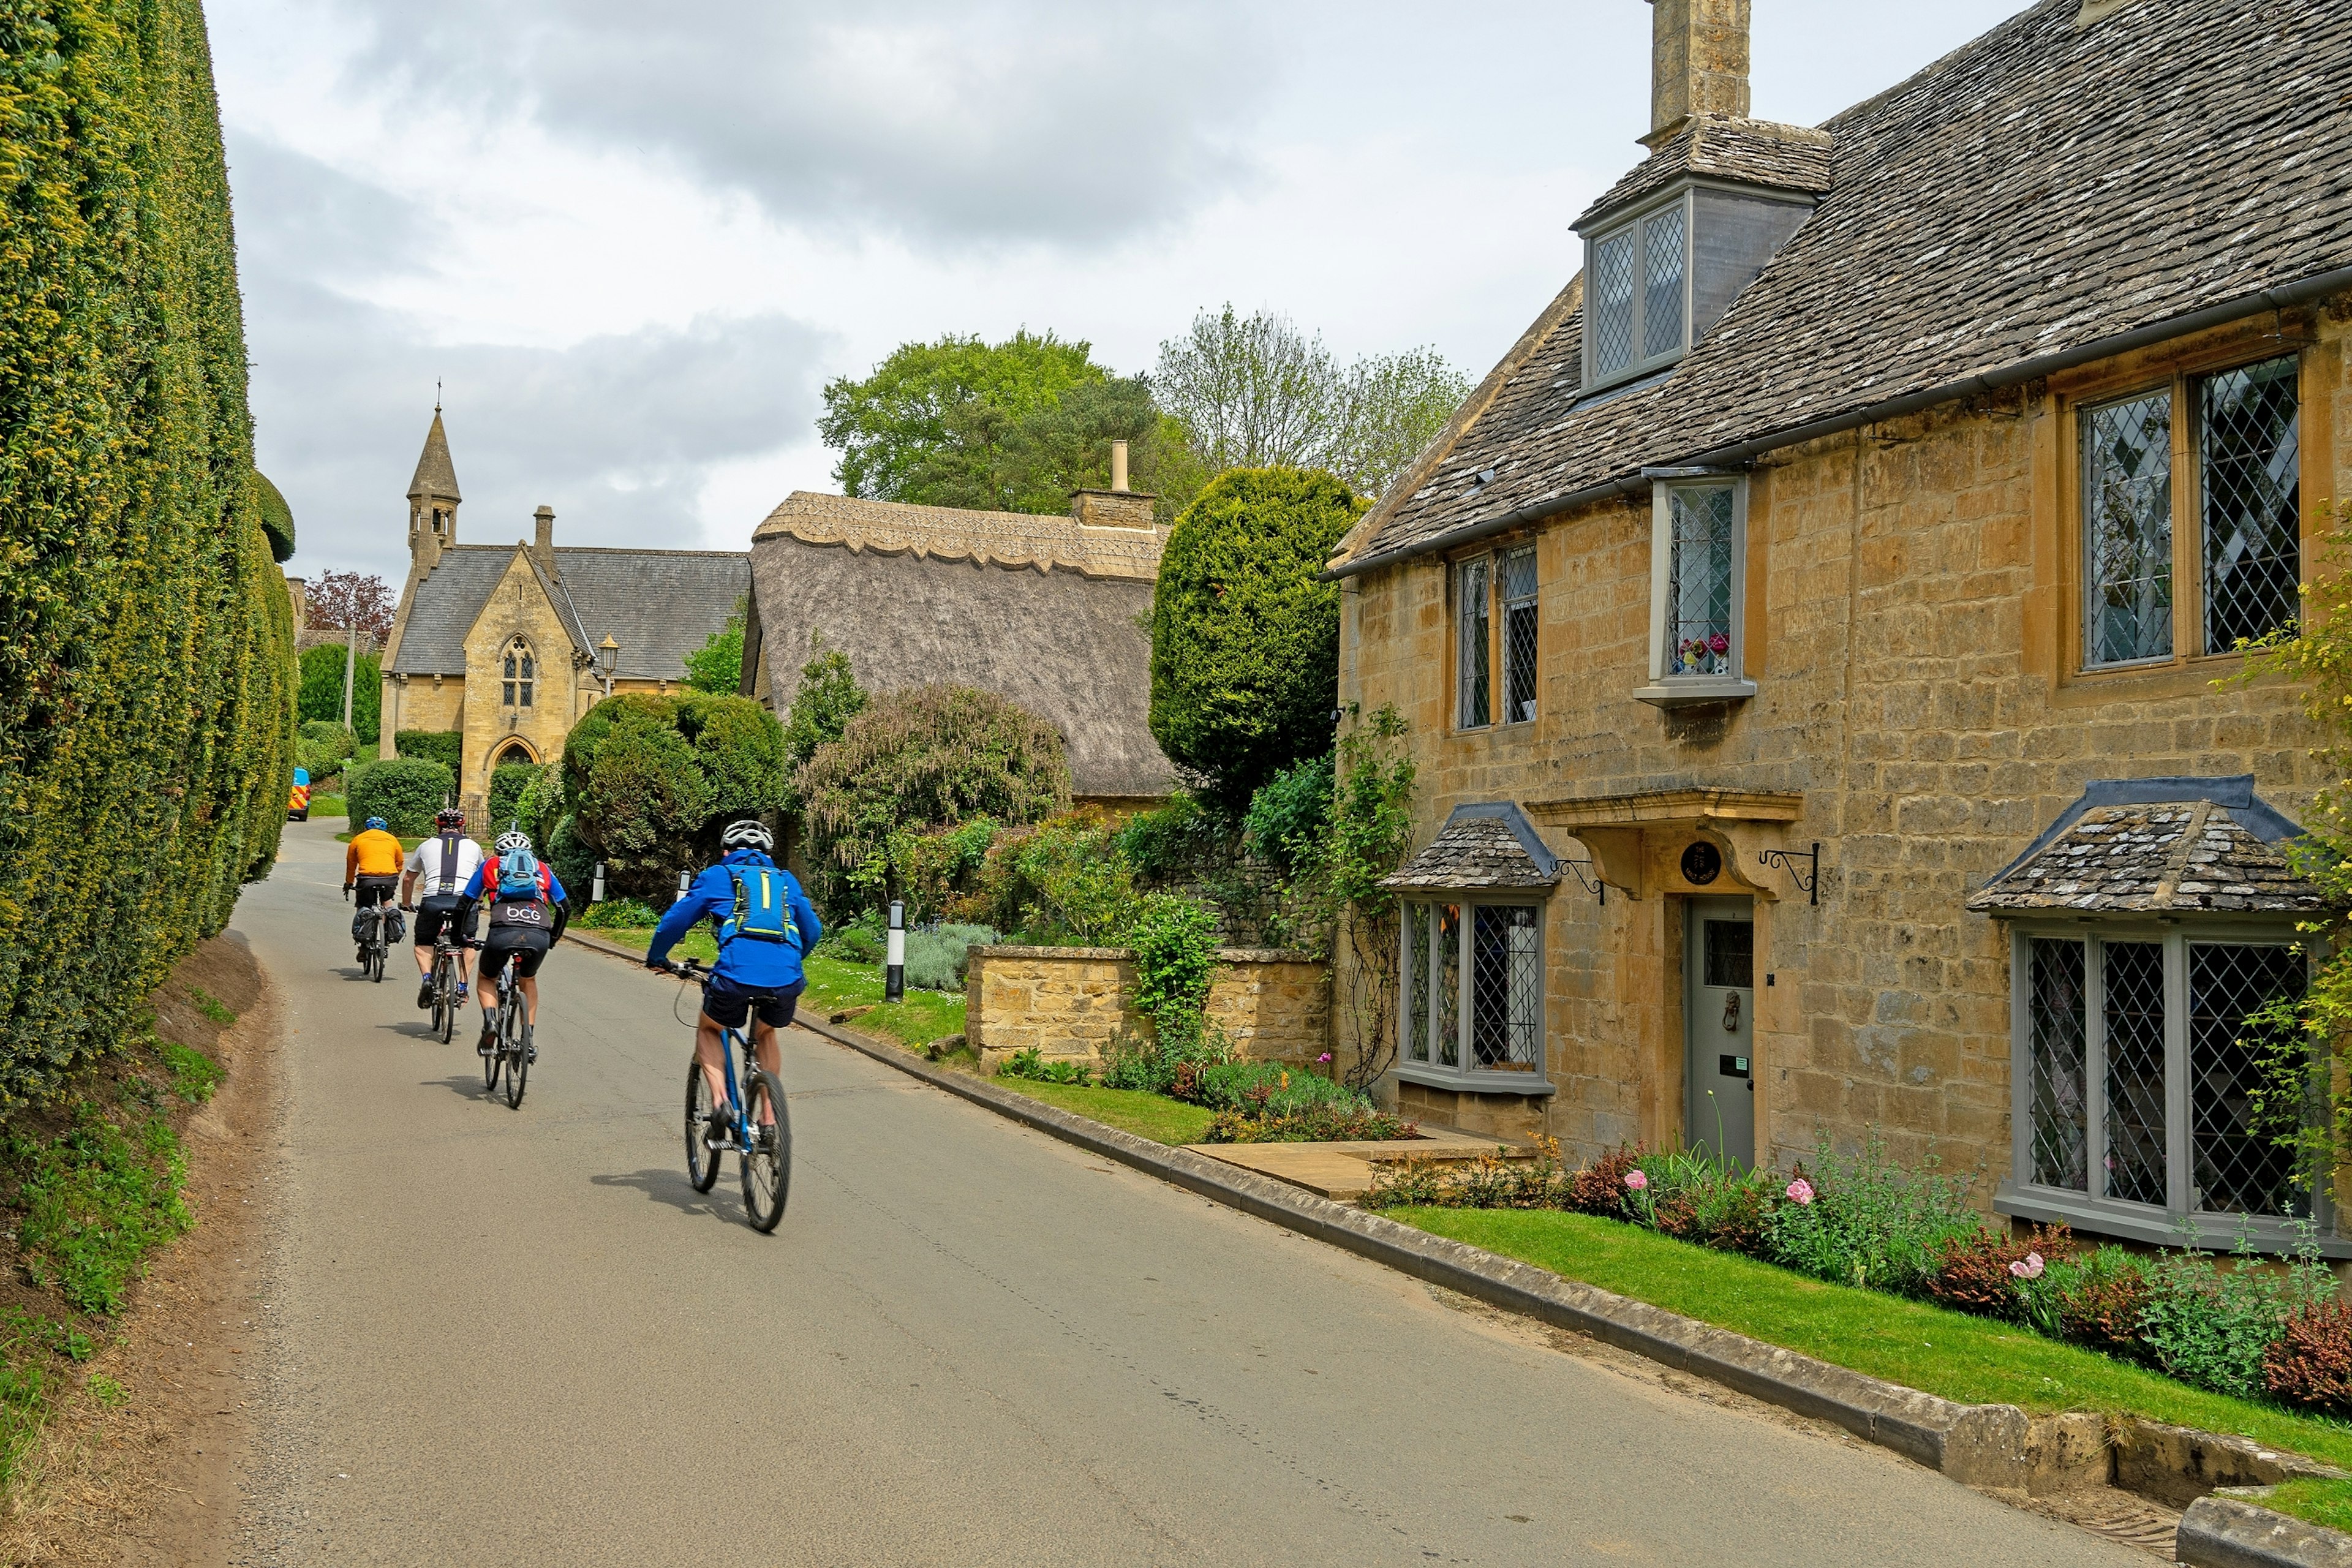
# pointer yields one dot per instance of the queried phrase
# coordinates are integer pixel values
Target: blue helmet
(374, 825)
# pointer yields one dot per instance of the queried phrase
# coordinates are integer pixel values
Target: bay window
(2142, 1094)
(1472, 992)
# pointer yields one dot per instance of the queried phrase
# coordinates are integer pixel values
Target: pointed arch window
(518, 675)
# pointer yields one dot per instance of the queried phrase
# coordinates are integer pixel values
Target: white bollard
(894, 975)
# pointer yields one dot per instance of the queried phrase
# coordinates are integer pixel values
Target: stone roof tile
(1479, 849)
(2174, 858)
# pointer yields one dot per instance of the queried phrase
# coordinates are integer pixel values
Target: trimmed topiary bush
(446, 747)
(146, 634)
(649, 781)
(917, 760)
(404, 791)
(1244, 639)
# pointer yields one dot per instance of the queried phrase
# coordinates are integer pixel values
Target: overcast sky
(634, 241)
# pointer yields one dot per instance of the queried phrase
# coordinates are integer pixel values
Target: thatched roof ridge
(1067, 644)
(952, 533)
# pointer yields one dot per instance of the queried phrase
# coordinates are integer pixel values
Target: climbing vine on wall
(146, 665)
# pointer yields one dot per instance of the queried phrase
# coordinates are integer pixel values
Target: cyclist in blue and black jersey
(527, 914)
(765, 925)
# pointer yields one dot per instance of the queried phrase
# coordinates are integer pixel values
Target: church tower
(432, 501)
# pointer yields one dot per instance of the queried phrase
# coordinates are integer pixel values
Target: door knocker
(1731, 1012)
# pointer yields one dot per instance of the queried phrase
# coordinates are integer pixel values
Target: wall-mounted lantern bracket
(1809, 880)
(1592, 883)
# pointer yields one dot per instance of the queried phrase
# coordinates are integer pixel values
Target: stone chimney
(1118, 467)
(543, 547)
(1698, 63)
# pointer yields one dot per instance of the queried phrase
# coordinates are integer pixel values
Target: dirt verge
(151, 1475)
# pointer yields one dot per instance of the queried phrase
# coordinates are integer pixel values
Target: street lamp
(608, 654)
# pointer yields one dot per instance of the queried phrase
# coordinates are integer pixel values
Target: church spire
(432, 496)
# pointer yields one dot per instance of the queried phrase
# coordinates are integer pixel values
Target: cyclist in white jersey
(442, 865)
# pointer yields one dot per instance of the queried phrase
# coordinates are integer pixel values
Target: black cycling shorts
(376, 889)
(728, 1004)
(528, 946)
(441, 908)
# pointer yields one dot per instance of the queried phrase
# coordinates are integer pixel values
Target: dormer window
(1638, 283)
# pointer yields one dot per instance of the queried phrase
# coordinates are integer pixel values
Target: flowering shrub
(1600, 1187)
(2311, 1362)
(1870, 1222)
(2213, 1327)
(1985, 1273)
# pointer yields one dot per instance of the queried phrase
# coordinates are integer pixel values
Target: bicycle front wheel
(518, 1061)
(768, 1168)
(701, 1160)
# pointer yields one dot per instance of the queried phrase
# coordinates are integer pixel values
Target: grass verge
(1972, 1360)
(1147, 1115)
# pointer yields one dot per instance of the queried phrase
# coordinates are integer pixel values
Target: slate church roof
(2045, 189)
(1045, 611)
(2158, 847)
(658, 605)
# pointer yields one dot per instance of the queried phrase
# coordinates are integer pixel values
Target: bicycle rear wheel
(518, 1062)
(701, 1162)
(376, 951)
(445, 997)
(768, 1168)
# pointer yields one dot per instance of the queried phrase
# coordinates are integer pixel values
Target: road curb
(2230, 1533)
(1981, 1446)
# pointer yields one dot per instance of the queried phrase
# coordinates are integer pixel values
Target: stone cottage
(509, 644)
(1049, 612)
(1811, 631)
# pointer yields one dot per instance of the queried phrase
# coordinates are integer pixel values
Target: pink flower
(1636, 1180)
(1800, 1190)
(1719, 643)
(2029, 1269)
(1324, 1057)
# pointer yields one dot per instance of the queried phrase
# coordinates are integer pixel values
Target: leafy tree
(1038, 459)
(929, 425)
(921, 758)
(827, 700)
(650, 780)
(334, 601)
(718, 665)
(1245, 639)
(321, 694)
(1256, 392)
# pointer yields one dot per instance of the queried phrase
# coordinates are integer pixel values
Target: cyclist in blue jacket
(765, 925)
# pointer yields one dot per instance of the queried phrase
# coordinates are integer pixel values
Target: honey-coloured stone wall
(1071, 1002)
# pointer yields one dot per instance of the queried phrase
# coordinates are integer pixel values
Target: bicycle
(373, 948)
(764, 1152)
(506, 1053)
(444, 980)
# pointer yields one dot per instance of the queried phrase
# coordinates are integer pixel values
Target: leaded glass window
(2248, 450)
(1614, 280)
(1473, 981)
(516, 675)
(2060, 1133)
(1519, 617)
(2238, 1108)
(2134, 974)
(2127, 529)
(1662, 284)
(1473, 616)
(2124, 1040)
(1699, 574)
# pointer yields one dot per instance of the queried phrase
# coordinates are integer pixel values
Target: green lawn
(1971, 1360)
(922, 1018)
(326, 805)
(1152, 1116)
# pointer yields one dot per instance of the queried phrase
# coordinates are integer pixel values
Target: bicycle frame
(727, 1040)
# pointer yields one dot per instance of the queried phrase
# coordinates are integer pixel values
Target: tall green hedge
(321, 693)
(146, 636)
(650, 780)
(1245, 639)
(404, 791)
(446, 747)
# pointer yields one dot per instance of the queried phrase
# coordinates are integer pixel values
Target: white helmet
(512, 839)
(747, 835)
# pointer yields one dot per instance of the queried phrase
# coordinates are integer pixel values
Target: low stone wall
(1071, 1002)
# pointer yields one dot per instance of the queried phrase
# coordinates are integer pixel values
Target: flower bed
(1253, 1103)
(2237, 1328)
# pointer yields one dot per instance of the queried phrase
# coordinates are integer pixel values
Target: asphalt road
(519, 1338)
